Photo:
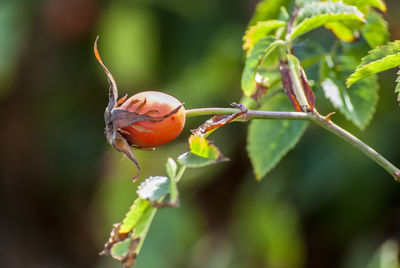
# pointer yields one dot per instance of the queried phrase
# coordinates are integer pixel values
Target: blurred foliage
(62, 187)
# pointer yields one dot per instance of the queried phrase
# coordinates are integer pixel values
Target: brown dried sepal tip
(218, 121)
(116, 119)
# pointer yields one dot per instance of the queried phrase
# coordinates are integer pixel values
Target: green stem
(314, 117)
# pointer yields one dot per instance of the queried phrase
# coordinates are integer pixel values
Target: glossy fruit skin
(149, 133)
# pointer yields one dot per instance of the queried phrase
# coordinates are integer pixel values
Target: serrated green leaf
(123, 245)
(256, 32)
(202, 153)
(314, 15)
(378, 60)
(259, 53)
(375, 31)
(379, 4)
(269, 140)
(358, 104)
(200, 146)
(153, 188)
(132, 217)
(268, 10)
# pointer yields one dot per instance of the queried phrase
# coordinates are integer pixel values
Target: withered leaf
(215, 122)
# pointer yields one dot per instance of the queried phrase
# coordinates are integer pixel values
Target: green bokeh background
(62, 186)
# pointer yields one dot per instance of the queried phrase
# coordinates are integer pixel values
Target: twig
(314, 117)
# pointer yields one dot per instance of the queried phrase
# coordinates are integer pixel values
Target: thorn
(328, 116)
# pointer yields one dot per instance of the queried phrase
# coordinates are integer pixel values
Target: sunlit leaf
(256, 32)
(342, 31)
(132, 217)
(375, 31)
(269, 140)
(357, 104)
(202, 153)
(379, 4)
(378, 60)
(261, 50)
(314, 15)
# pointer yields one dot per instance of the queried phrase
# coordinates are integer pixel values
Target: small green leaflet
(258, 54)
(314, 15)
(269, 140)
(202, 153)
(133, 215)
(378, 60)
(256, 32)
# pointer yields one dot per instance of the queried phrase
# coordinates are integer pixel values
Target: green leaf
(132, 217)
(314, 15)
(142, 226)
(358, 104)
(268, 9)
(127, 238)
(153, 188)
(258, 54)
(256, 32)
(378, 60)
(269, 140)
(379, 4)
(375, 31)
(202, 153)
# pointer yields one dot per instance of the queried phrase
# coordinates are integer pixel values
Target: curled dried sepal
(112, 134)
(124, 118)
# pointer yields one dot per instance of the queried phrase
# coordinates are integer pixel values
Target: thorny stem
(316, 118)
